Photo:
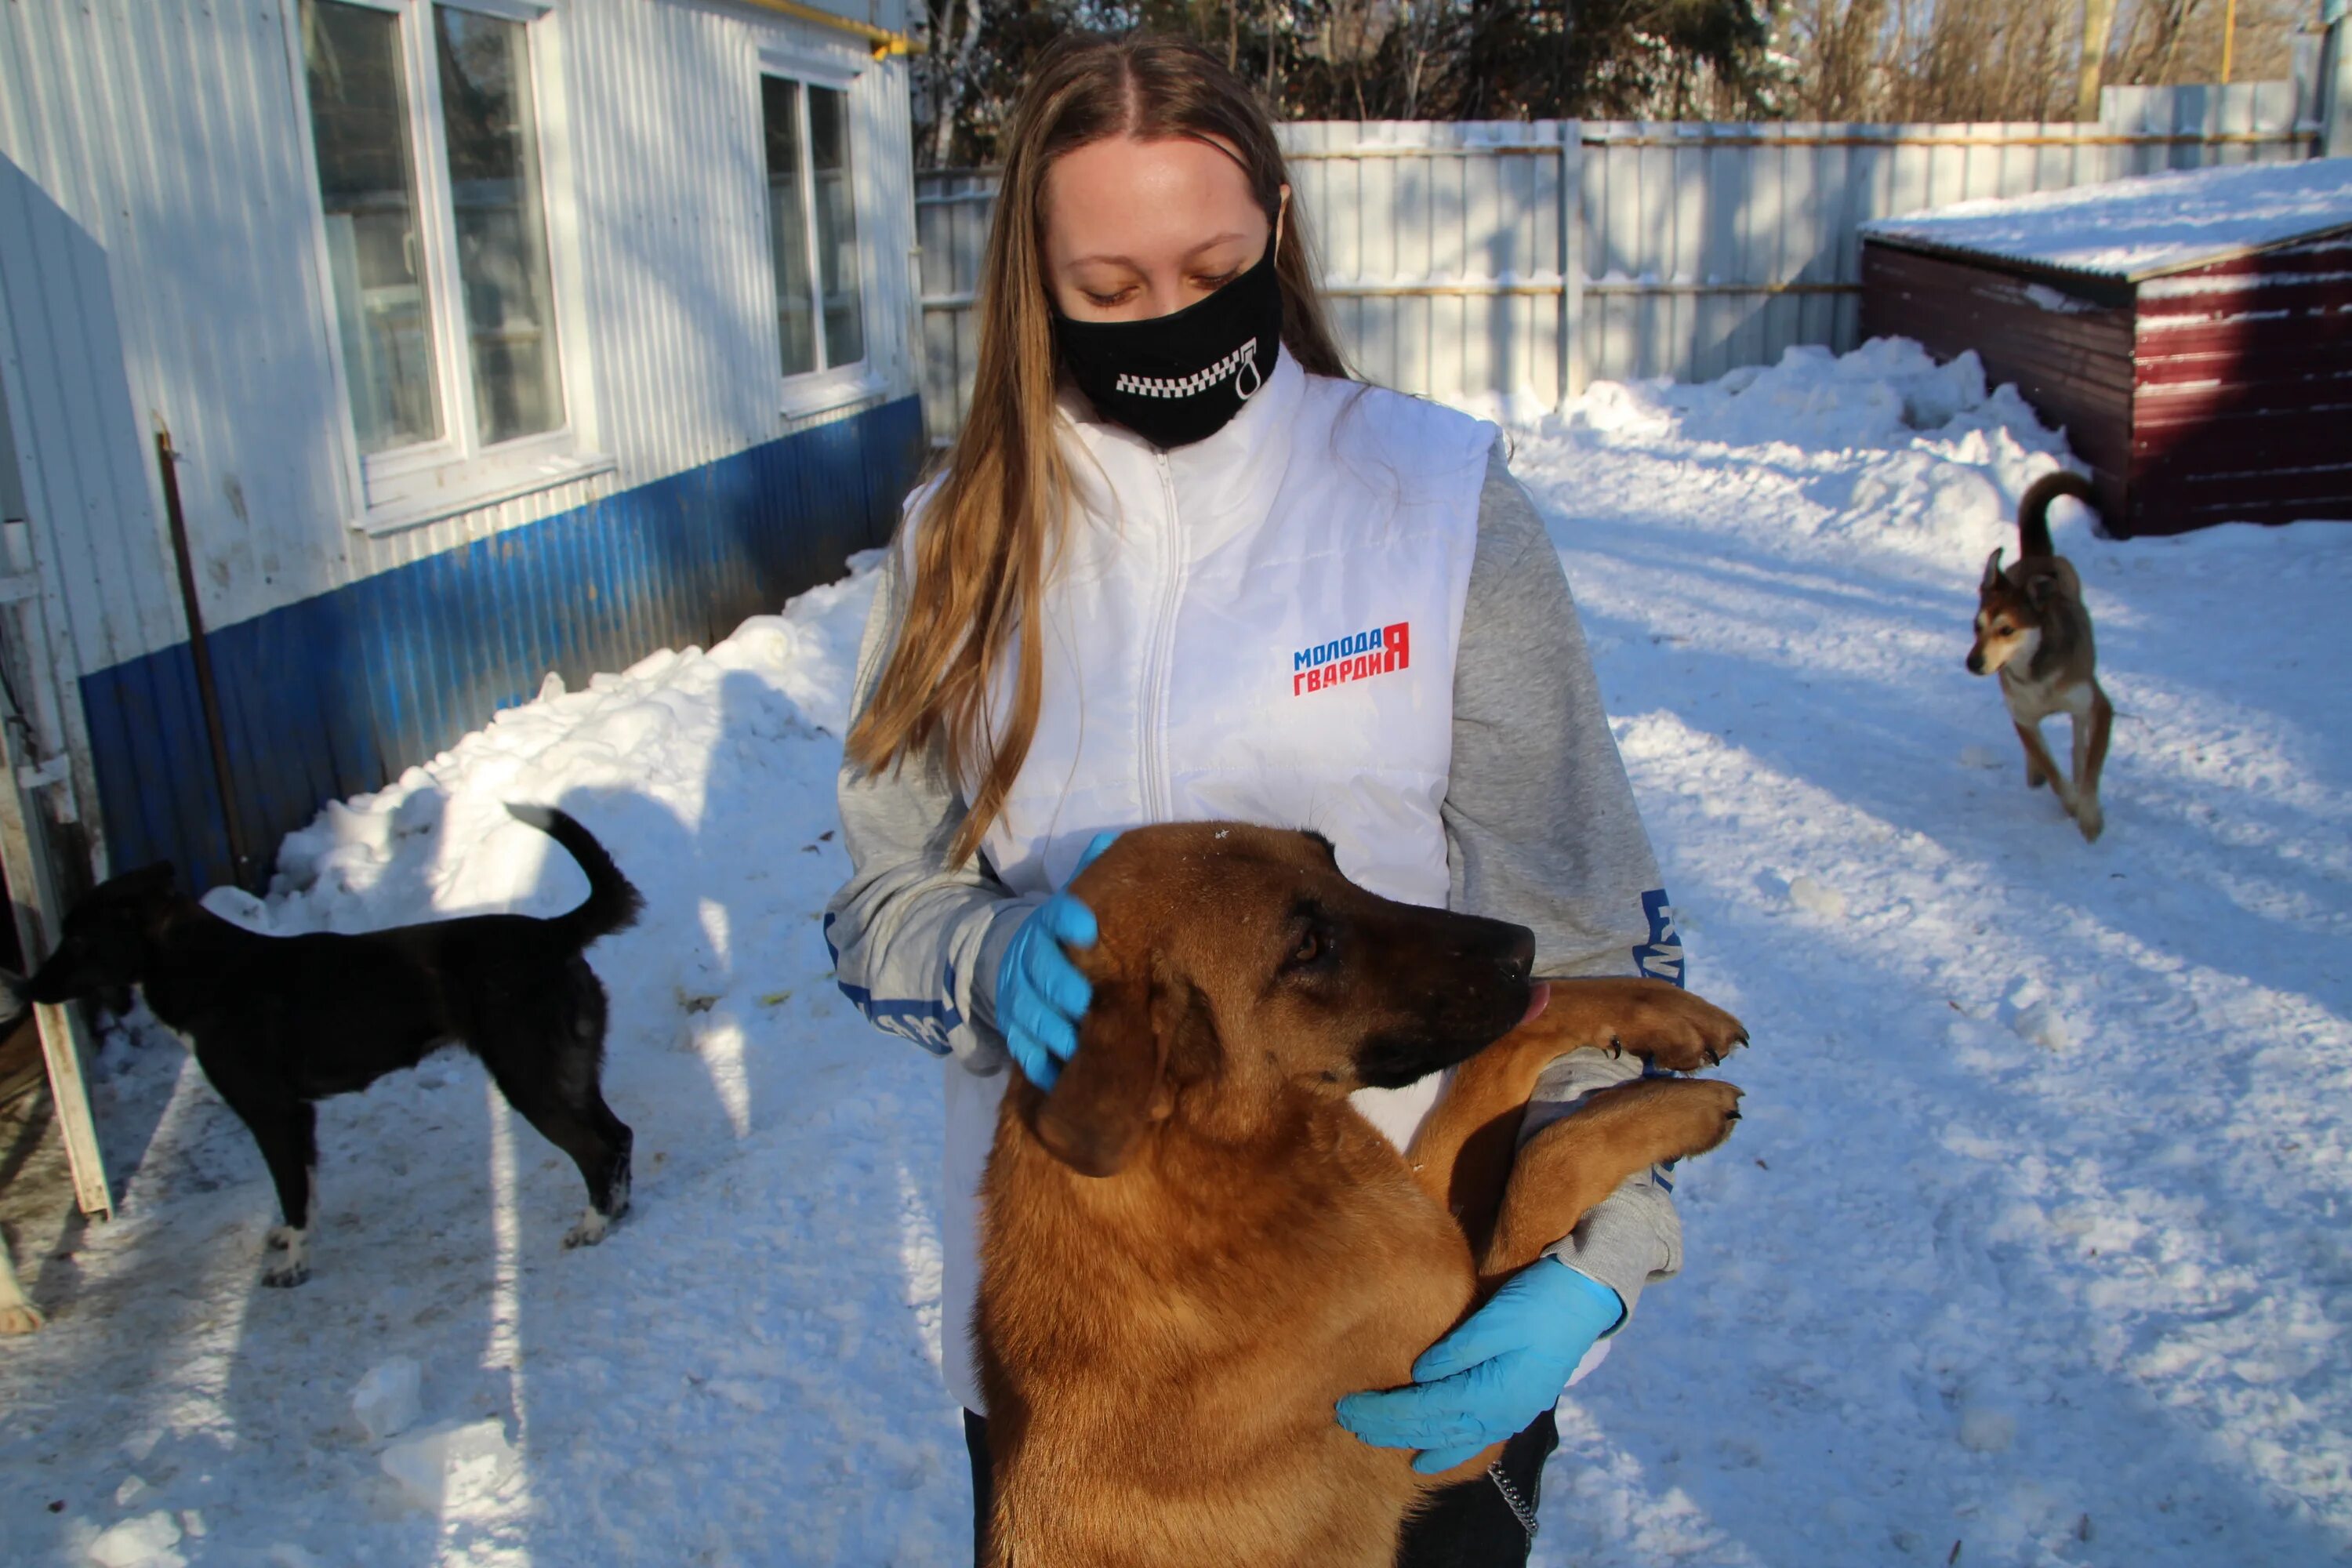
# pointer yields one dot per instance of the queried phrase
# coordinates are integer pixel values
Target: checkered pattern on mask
(1200, 381)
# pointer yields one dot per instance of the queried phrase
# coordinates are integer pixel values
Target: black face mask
(1176, 379)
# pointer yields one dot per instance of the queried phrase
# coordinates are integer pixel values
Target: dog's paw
(589, 1231)
(2091, 820)
(295, 1266)
(1703, 1111)
(20, 1319)
(1679, 1031)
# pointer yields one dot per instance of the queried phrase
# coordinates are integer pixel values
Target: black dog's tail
(613, 901)
(2033, 511)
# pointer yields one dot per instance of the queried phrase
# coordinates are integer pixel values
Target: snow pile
(386, 1402)
(143, 1542)
(451, 1466)
(2148, 224)
(1945, 459)
(2029, 1249)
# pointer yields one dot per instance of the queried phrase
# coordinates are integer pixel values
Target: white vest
(1258, 627)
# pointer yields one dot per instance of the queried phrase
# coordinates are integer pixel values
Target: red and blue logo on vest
(1358, 656)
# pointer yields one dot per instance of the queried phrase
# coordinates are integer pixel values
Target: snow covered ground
(2032, 1241)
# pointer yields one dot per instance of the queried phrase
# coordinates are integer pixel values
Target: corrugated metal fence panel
(952, 217)
(337, 693)
(1703, 246)
(1440, 247)
(79, 457)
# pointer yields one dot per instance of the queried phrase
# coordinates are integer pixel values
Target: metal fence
(1500, 266)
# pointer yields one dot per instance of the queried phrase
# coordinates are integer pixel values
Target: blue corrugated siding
(337, 694)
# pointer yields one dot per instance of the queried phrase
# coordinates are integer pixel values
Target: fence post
(2336, 81)
(1571, 260)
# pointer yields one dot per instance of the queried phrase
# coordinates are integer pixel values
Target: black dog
(280, 1022)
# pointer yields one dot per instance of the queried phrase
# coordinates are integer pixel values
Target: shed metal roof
(2126, 230)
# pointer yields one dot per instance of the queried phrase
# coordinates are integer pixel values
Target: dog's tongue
(1539, 997)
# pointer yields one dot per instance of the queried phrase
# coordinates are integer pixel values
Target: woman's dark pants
(1468, 1525)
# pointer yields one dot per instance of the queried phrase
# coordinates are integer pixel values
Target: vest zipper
(1156, 789)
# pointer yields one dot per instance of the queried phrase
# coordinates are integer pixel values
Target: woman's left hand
(1488, 1379)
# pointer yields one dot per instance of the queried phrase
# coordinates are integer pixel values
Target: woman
(1266, 592)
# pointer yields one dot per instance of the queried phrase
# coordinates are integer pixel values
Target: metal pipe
(881, 41)
(208, 690)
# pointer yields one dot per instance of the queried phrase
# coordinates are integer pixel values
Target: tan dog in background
(1194, 1247)
(2034, 631)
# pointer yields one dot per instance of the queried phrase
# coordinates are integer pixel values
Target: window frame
(833, 386)
(427, 481)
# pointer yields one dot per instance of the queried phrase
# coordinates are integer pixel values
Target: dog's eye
(1311, 950)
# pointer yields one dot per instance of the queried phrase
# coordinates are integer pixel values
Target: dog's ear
(2039, 587)
(1992, 573)
(1118, 1083)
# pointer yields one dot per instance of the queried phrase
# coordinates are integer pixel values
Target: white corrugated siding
(1449, 264)
(170, 134)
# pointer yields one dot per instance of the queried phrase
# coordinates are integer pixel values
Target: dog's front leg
(2091, 732)
(1568, 1167)
(294, 1166)
(287, 1128)
(2041, 767)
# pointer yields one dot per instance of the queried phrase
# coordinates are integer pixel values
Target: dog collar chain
(1513, 1500)
(1244, 358)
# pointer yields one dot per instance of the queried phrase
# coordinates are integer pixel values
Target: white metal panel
(173, 137)
(1700, 246)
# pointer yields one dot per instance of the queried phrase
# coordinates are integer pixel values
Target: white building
(489, 337)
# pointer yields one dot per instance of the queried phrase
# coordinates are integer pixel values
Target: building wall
(158, 176)
(2241, 406)
(335, 694)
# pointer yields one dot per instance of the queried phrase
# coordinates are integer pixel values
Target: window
(812, 225)
(425, 125)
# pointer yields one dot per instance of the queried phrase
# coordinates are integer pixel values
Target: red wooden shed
(2192, 330)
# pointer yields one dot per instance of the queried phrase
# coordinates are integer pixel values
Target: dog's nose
(1976, 663)
(1520, 958)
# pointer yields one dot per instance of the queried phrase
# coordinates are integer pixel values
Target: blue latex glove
(1040, 994)
(1489, 1378)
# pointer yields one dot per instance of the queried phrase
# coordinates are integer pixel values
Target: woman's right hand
(1040, 994)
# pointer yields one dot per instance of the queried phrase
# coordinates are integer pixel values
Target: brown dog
(1194, 1247)
(2033, 628)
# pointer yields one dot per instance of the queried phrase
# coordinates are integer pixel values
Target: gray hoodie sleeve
(1541, 830)
(915, 943)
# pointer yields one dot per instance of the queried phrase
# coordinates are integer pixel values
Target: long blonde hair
(988, 536)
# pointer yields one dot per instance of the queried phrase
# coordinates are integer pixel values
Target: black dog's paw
(295, 1266)
(589, 1231)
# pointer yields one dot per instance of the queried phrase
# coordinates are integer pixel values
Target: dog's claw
(1616, 1047)
(1731, 1116)
(1712, 1059)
